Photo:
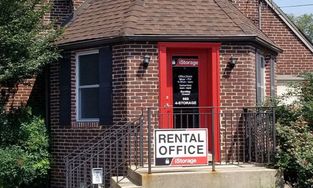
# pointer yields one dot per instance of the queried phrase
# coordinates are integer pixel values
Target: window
(87, 72)
(260, 79)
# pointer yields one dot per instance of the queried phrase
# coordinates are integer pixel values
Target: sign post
(181, 147)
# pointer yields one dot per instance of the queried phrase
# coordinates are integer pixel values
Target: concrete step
(123, 182)
(225, 176)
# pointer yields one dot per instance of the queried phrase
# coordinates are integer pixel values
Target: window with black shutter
(94, 86)
(87, 86)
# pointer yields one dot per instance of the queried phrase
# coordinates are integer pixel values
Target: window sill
(87, 120)
(86, 124)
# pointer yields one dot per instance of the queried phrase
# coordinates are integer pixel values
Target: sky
(295, 10)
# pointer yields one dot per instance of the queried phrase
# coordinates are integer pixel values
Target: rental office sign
(181, 147)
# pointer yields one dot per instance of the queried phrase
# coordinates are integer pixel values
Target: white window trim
(263, 77)
(78, 87)
(261, 74)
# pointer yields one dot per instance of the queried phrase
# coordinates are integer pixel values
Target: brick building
(123, 56)
(133, 52)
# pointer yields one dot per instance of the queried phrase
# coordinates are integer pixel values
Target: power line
(293, 6)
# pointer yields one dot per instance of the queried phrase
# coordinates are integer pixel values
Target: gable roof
(162, 19)
(290, 24)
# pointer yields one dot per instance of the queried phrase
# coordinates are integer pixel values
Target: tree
(26, 46)
(26, 42)
(304, 23)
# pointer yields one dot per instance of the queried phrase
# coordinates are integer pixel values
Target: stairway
(242, 176)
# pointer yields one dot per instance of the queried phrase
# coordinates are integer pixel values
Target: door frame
(165, 89)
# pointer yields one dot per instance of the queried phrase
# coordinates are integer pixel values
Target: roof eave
(268, 45)
(165, 38)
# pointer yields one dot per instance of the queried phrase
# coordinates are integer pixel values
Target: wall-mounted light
(146, 60)
(232, 62)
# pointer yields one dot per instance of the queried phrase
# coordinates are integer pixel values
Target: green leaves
(295, 136)
(304, 23)
(24, 153)
(295, 154)
(11, 161)
(26, 43)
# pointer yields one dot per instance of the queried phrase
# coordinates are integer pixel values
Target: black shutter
(65, 90)
(105, 79)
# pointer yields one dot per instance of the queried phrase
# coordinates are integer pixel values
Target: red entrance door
(189, 87)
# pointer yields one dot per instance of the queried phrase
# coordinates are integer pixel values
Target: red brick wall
(249, 8)
(296, 58)
(17, 95)
(139, 86)
(238, 84)
(238, 90)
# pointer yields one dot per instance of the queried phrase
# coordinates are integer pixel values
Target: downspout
(260, 14)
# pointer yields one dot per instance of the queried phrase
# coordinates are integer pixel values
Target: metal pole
(116, 155)
(141, 139)
(213, 140)
(250, 138)
(274, 130)
(67, 173)
(149, 141)
(268, 130)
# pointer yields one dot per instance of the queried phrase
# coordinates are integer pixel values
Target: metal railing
(242, 135)
(111, 151)
(237, 135)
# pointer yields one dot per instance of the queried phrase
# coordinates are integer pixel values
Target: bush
(24, 156)
(294, 136)
(295, 153)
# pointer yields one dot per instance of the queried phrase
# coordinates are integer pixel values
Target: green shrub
(295, 137)
(24, 155)
(295, 153)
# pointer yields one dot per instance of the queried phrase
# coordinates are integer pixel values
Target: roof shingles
(116, 18)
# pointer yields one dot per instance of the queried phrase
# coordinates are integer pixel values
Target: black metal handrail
(111, 152)
(245, 135)
(95, 138)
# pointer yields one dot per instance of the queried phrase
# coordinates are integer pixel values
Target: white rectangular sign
(181, 147)
(97, 176)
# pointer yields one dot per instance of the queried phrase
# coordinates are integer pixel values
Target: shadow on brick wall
(29, 92)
